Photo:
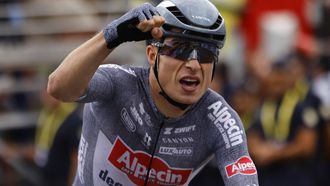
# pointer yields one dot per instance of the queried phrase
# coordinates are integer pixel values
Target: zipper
(153, 152)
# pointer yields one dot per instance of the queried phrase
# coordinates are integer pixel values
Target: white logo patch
(176, 151)
(127, 121)
(169, 130)
(147, 140)
(226, 124)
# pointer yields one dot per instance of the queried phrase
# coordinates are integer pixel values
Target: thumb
(157, 33)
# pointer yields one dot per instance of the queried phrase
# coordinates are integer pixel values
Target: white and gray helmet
(198, 20)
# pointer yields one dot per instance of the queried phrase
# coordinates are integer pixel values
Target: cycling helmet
(198, 19)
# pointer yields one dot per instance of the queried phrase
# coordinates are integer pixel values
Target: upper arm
(233, 159)
(101, 86)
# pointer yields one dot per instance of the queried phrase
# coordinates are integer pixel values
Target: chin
(189, 99)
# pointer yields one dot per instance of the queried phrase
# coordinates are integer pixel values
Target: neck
(166, 108)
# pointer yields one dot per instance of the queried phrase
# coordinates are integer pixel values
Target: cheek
(168, 67)
(207, 70)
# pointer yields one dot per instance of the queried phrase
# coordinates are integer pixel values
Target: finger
(153, 11)
(144, 26)
(158, 21)
(147, 14)
(147, 25)
(157, 33)
(144, 12)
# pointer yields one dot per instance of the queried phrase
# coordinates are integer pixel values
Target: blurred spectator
(272, 29)
(57, 140)
(221, 83)
(321, 87)
(323, 26)
(52, 159)
(283, 139)
(245, 100)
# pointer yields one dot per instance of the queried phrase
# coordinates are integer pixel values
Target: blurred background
(273, 70)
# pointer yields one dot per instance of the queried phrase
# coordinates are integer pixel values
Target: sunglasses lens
(206, 53)
(206, 56)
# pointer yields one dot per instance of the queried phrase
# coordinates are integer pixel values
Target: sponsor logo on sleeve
(244, 166)
(226, 124)
(135, 165)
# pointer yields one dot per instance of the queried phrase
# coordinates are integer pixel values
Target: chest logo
(135, 165)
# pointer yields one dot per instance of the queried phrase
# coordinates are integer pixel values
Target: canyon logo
(243, 165)
(135, 165)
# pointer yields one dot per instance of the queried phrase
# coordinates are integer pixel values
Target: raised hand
(135, 25)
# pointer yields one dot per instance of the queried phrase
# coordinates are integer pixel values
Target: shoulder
(225, 119)
(119, 69)
(217, 109)
(216, 104)
(121, 73)
(212, 99)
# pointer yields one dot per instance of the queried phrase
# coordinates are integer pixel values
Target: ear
(151, 52)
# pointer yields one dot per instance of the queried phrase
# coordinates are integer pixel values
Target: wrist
(111, 36)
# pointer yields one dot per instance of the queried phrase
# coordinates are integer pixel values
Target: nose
(192, 64)
(193, 55)
(192, 61)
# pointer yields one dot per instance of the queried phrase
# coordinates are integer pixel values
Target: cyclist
(157, 125)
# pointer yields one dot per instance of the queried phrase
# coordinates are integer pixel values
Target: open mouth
(189, 84)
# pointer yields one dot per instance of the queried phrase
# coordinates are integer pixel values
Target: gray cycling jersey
(125, 138)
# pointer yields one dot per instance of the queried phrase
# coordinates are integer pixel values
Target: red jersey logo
(243, 165)
(135, 165)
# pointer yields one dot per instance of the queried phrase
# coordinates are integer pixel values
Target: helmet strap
(213, 71)
(181, 106)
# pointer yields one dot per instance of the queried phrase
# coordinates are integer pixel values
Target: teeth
(190, 80)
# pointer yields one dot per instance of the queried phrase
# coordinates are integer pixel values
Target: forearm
(301, 147)
(266, 152)
(70, 80)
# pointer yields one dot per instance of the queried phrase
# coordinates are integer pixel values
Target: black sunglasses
(186, 50)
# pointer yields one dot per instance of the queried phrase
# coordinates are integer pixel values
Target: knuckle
(144, 23)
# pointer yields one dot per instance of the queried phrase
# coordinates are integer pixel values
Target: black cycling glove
(124, 28)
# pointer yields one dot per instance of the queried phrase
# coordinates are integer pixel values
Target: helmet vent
(217, 23)
(177, 13)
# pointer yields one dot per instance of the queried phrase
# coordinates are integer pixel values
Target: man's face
(278, 82)
(185, 74)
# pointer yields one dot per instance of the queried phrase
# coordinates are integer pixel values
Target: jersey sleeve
(103, 83)
(231, 151)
